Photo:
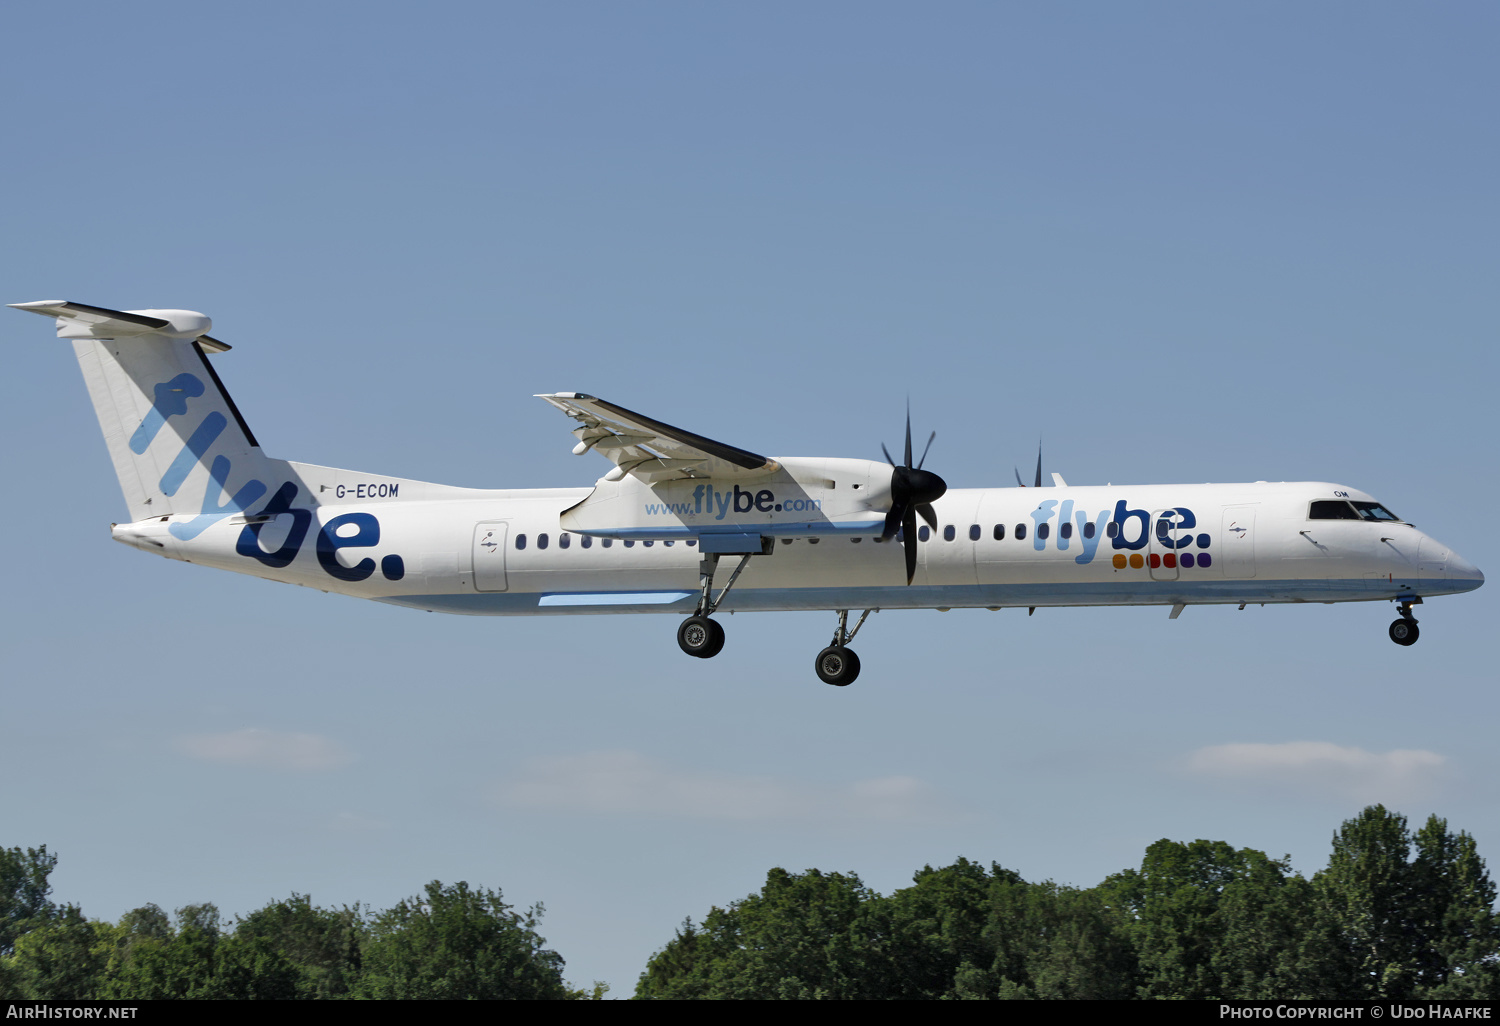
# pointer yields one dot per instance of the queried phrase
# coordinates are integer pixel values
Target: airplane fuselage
(505, 552)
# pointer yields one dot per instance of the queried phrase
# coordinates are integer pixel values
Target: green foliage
(458, 942)
(63, 959)
(1395, 915)
(323, 945)
(24, 890)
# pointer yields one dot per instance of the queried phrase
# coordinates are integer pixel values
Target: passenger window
(923, 534)
(1066, 530)
(1111, 529)
(974, 532)
(607, 542)
(999, 532)
(648, 544)
(856, 540)
(1331, 509)
(564, 540)
(1088, 529)
(630, 543)
(1043, 531)
(948, 533)
(1020, 532)
(541, 541)
(520, 541)
(587, 542)
(692, 542)
(667, 543)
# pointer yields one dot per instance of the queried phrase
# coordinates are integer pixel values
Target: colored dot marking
(1136, 561)
(1119, 561)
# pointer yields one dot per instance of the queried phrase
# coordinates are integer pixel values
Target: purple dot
(1204, 559)
(1187, 559)
(1203, 541)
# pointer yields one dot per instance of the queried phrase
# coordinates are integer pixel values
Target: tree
(459, 942)
(322, 944)
(64, 959)
(1452, 907)
(24, 890)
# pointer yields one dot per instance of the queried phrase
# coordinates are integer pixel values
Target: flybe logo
(719, 504)
(349, 531)
(1169, 531)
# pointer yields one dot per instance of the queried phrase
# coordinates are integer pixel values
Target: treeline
(449, 942)
(1397, 914)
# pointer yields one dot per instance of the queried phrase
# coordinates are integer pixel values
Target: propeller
(1038, 468)
(913, 491)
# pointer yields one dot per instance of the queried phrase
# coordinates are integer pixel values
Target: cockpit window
(1332, 509)
(1374, 511)
(1353, 509)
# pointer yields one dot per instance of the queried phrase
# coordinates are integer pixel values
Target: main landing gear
(1404, 631)
(837, 664)
(700, 635)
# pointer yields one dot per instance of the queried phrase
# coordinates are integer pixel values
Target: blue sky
(1176, 242)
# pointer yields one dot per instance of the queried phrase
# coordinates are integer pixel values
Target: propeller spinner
(913, 491)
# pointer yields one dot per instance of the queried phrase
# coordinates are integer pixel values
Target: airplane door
(1161, 553)
(489, 556)
(1237, 542)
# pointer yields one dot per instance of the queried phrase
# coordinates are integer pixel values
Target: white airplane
(648, 536)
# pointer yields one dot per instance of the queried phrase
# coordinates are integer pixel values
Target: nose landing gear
(1404, 631)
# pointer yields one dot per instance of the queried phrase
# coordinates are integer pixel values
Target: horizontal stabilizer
(80, 320)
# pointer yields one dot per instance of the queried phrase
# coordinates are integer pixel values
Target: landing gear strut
(837, 664)
(699, 635)
(1404, 631)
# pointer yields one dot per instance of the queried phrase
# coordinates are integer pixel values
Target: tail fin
(178, 442)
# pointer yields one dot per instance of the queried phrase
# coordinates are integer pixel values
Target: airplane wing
(649, 449)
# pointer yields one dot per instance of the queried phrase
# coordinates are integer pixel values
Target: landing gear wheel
(1404, 631)
(837, 665)
(718, 642)
(699, 636)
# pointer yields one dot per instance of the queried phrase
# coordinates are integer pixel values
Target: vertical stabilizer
(178, 443)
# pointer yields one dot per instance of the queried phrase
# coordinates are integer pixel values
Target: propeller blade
(908, 436)
(1039, 464)
(1019, 482)
(928, 514)
(887, 454)
(924, 450)
(909, 534)
(892, 522)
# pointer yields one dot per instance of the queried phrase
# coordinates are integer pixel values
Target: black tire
(717, 645)
(1404, 631)
(837, 665)
(699, 636)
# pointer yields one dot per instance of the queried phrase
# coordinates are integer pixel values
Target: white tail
(178, 442)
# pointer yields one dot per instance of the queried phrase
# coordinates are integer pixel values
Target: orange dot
(1119, 561)
(1136, 560)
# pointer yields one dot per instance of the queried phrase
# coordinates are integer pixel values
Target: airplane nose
(1460, 569)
